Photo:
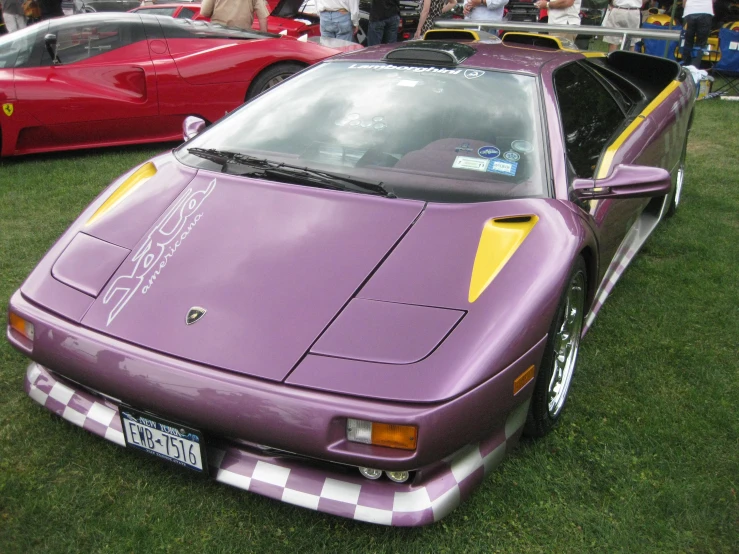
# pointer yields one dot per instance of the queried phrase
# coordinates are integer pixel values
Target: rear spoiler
(541, 30)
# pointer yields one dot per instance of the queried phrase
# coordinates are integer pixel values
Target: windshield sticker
(473, 73)
(504, 168)
(489, 152)
(473, 164)
(464, 147)
(379, 123)
(383, 67)
(162, 243)
(523, 146)
(512, 156)
(407, 83)
(354, 120)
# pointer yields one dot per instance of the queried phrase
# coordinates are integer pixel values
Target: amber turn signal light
(523, 380)
(382, 434)
(21, 326)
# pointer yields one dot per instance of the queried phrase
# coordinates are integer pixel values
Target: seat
(656, 47)
(727, 68)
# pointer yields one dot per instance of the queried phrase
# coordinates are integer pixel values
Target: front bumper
(309, 422)
(427, 498)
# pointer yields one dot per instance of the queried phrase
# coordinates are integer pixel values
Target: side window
(79, 41)
(158, 11)
(628, 94)
(21, 48)
(590, 117)
(186, 13)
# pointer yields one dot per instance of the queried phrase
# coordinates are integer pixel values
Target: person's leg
(391, 30)
(702, 29)
(617, 19)
(328, 25)
(14, 22)
(345, 29)
(688, 39)
(375, 32)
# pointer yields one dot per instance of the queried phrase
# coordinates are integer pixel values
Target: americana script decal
(160, 245)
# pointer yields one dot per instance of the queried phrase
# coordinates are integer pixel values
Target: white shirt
(352, 6)
(566, 16)
(698, 6)
(489, 10)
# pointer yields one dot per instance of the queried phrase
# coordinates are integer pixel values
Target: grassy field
(646, 458)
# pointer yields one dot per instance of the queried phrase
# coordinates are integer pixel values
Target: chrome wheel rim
(679, 184)
(276, 80)
(566, 345)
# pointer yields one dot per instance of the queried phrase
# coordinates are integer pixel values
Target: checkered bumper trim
(425, 500)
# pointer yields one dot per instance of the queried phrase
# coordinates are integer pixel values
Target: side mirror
(625, 181)
(50, 42)
(192, 126)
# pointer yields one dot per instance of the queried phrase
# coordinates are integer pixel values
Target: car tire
(679, 182)
(270, 77)
(560, 355)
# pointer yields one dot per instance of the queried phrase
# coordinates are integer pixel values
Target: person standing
(236, 13)
(484, 10)
(384, 19)
(429, 12)
(339, 18)
(623, 14)
(697, 18)
(13, 15)
(50, 8)
(562, 12)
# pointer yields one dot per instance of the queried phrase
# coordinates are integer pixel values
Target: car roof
(521, 58)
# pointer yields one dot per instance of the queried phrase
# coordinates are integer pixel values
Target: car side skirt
(638, 234)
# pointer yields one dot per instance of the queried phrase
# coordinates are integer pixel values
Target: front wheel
(560, 356)
(270, 77)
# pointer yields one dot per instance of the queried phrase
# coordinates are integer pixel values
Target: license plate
(168, 440)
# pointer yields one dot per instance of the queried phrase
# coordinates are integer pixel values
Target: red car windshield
(449, 135)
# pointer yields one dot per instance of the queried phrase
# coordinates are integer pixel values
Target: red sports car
(294, 18)
(111, 79)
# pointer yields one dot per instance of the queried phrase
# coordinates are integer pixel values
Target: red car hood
(271, 264)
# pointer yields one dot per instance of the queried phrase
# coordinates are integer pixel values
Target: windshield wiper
(293, 173)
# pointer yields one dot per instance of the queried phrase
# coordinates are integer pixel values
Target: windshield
(446, 135)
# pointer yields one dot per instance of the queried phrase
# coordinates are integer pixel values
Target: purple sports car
(358, 290)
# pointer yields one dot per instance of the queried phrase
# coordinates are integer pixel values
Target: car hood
(269, 265)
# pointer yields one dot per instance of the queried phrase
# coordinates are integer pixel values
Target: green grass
(646, 458)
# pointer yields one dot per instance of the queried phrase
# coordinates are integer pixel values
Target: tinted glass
(624, 91)
(450, 135)
(156, 11)
(186, 13)
(16, 48)
(81, 40)
(590, 117)
(188, 28)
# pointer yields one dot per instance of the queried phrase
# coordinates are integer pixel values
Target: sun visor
(386, 332)
(88, 263)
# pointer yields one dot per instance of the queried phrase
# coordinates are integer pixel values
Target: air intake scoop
(444, 54)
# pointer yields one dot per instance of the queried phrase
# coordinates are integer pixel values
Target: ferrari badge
(8, 109)
(194, 315)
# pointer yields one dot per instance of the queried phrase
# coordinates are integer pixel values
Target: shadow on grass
(82, 154)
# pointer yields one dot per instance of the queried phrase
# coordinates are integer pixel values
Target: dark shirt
(50, 8)
(383, 9)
